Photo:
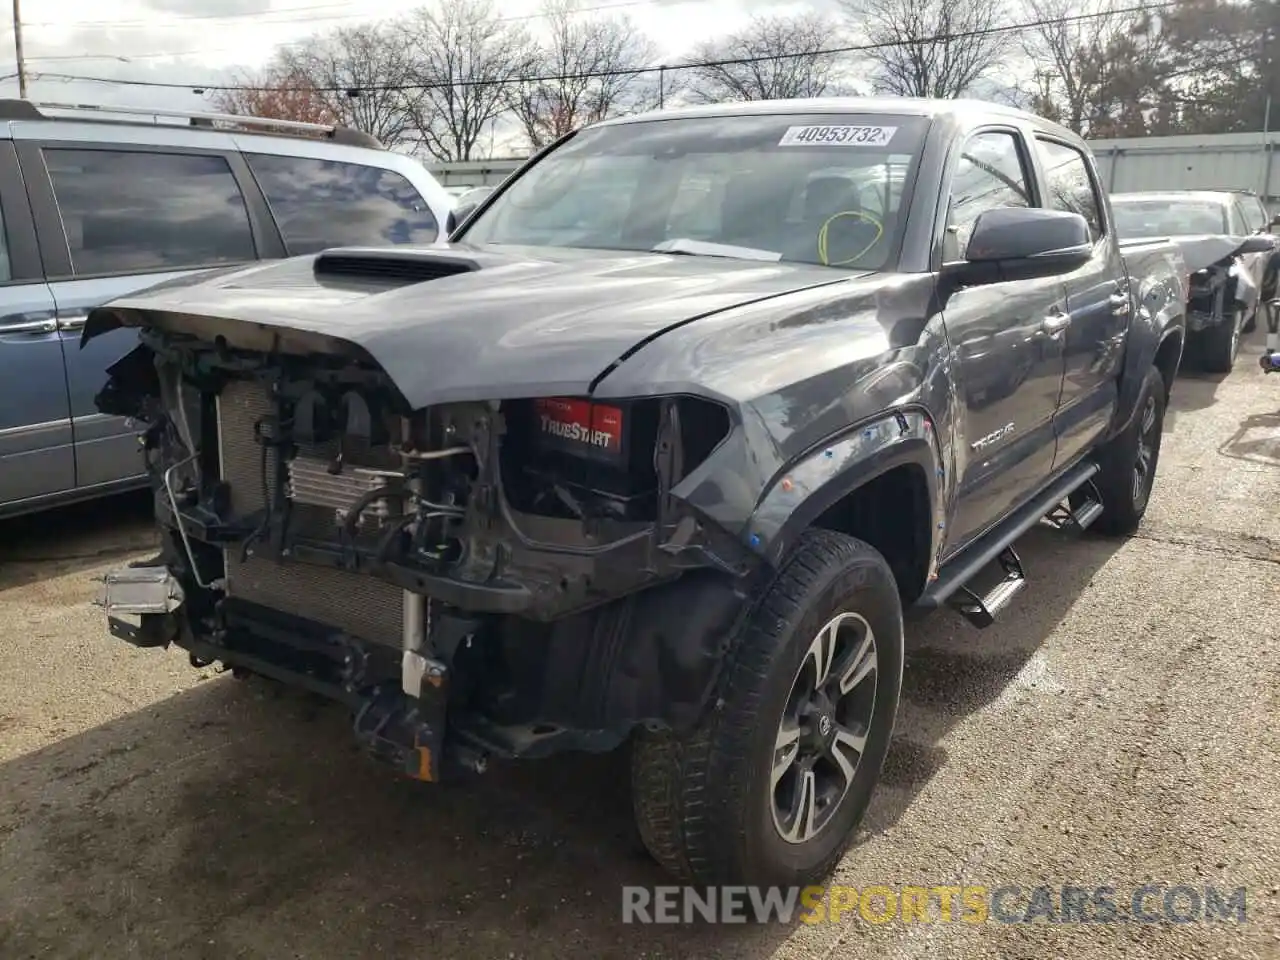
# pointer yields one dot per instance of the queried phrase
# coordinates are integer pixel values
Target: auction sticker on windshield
(837, 136)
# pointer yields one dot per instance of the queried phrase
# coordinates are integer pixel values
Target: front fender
(1159, 313)
(808, 486)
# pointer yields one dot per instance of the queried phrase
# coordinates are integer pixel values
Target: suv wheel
(1128, 462)
(771, 786)
(1220, 344)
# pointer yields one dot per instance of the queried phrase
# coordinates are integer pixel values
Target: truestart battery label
(580, 427)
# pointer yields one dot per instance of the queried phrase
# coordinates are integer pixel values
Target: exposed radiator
(360, 605)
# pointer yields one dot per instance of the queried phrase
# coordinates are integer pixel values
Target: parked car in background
(473, 195)
(95, 206)
(1226, 295)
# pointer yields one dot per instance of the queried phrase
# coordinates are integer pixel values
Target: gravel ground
(1117, 725)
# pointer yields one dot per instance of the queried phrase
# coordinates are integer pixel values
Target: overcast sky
(205, 41)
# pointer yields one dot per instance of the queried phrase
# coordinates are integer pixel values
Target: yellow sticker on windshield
(837, 136)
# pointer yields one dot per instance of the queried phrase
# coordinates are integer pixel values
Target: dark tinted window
(320, 204)
(1071, 188)
(989, 174)
(125, 211)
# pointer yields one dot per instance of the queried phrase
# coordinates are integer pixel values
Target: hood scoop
(399, 267)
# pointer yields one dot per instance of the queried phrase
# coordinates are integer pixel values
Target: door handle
(30, 326)
(75, 321)
(1119, 303)
(1055, 323)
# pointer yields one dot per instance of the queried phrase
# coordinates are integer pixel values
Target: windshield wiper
(705, 248)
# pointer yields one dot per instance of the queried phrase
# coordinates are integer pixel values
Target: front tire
(1220, 345)
(1128, 462)
(771, 786)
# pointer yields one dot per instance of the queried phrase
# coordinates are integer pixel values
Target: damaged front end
(1219, 285)
(505, 578)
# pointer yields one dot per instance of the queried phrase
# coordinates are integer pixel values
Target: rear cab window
(134, 211)
(320, 204)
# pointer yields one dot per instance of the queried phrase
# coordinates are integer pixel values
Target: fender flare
(1157, 317)
(1139, 358)
(807, 486)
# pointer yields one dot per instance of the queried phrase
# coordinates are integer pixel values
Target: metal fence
(1242, 160)
(1238, 160)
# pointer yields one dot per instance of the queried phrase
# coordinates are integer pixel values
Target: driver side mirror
(1023, 243)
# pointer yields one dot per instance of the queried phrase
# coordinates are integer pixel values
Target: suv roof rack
(31, 110)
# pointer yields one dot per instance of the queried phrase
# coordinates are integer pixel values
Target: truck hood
(450, 323)
(1199, 250)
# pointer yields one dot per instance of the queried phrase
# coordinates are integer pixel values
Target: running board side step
(997, 545)
(1066, 517)
(981, 611)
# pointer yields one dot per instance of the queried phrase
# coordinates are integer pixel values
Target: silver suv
(97, 204)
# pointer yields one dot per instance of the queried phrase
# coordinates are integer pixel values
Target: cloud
(206, 9)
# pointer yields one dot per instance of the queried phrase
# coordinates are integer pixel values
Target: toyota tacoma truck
(660, 450)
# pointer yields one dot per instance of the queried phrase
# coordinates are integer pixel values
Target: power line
(628, 71)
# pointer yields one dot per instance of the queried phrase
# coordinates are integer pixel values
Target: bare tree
(462, 59)
(773, 58)
(278, 93)
(362, 72)
(1100, 75)
(594, 63)
(931, 48)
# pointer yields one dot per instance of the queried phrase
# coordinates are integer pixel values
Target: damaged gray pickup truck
(657, 450)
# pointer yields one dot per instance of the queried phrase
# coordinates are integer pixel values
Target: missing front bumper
(142, 605)
(144, 608)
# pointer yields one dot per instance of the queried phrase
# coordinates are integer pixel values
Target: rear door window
(129, 211)
(319, 204)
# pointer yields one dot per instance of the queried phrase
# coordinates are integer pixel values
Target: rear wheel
(1128, 462)
(771, 786)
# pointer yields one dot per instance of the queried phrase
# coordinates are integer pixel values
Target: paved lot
(1119, 725)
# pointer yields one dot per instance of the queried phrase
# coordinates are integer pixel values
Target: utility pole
(17, 49)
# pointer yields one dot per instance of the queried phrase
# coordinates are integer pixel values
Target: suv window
(990, 174)
(1071, 186)
(320, 204)
(125, 211)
